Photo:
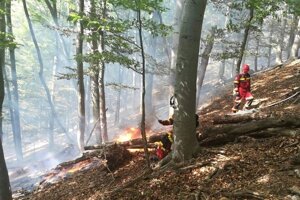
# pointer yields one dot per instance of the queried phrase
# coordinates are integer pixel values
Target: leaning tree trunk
(204, 61)
(41, 71)
(15, 93)
(185, 143)
(80, 84)
(5, 190)
(244, 42)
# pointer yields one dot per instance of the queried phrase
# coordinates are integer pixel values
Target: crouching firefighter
(242, 89)
(163, 147)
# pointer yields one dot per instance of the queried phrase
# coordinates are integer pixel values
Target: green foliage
(144, 5)
(7, 40)
(294, 6)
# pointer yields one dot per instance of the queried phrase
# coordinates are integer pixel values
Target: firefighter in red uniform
(242, 89)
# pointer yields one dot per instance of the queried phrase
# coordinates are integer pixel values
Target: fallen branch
(281, 101)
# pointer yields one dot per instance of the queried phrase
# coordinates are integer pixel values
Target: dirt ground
(247, 168)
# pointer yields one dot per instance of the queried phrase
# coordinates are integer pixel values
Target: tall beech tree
(185, 142)
(5, 190)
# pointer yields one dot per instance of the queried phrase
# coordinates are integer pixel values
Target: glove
(235, 92)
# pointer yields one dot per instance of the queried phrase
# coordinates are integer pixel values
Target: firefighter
(163, 147)
(242, 89)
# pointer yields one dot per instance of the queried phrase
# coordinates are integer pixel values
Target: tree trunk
(80, 77)
(204, 61)
(244, 42)
(175, 40)
(256, 54)
(143, 127)
(185, 143)
(118, 101)
(292, 34)
(222, 134)
(294, 49)
(95, 80)
(279, 46)
(270, 44)
(15, 93)
(5, 190)
(103, 118)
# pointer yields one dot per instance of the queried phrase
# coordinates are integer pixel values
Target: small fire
(124, 138)
(60, 173)
(129, 134)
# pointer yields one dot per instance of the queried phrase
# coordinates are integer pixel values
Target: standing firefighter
(242, 89)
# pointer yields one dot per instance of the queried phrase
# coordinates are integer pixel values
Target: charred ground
(246, 168)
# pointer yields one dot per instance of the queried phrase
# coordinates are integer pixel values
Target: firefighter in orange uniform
(242, 89)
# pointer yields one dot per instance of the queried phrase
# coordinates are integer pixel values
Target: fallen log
(236, 118)
(114, 154)
(134, 143)
(225, 133)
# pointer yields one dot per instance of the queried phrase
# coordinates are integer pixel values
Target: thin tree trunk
(5, 190)
(270, 44)
(80, 84)
(95, 80)
(279, 46)
(103, 118)
(143, 128)
(294, 49)
(118, 101)
(15, 93)
(17, 139)
(204, 61)
(244, 42)
(256, 54)
(292, 34)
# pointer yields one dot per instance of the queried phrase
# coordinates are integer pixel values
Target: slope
(246, 168)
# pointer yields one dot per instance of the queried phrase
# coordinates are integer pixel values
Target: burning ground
(262, 165)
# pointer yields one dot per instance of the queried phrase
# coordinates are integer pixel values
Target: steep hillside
(246, 168)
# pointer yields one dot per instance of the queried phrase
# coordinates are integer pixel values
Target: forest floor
(248, 168)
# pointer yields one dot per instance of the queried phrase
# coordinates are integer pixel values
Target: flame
(61, 172)
(129, 134)
(124, 138)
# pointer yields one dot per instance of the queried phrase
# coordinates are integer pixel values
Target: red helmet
(246, 68)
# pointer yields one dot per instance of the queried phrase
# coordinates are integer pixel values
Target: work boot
(234, 110)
